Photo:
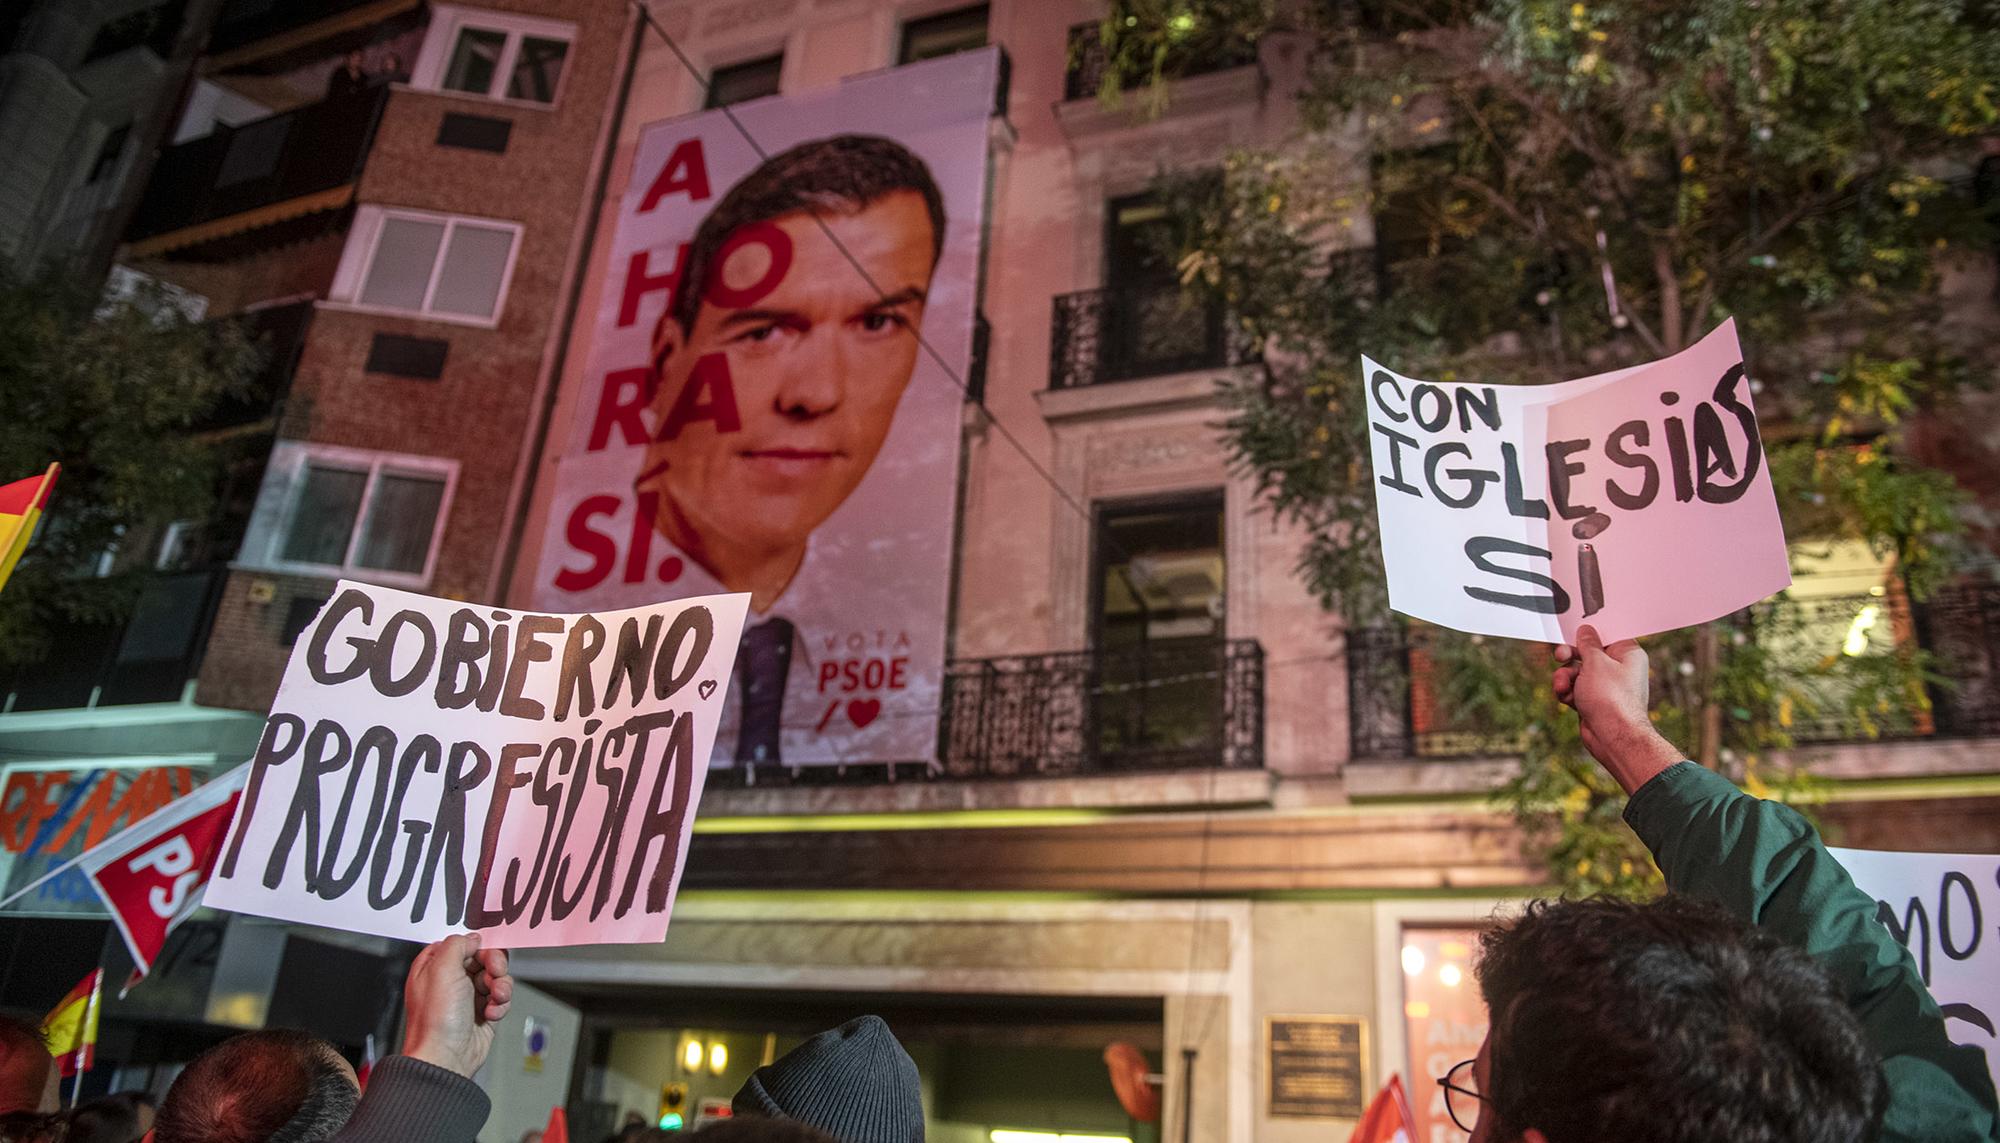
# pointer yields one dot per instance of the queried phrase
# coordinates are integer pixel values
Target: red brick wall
(480, 411)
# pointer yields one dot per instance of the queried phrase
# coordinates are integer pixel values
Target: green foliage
(1783, 163)
(112, 391)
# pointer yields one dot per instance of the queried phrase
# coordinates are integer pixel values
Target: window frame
(914, 23)
(448, 21)
(282, 496)
(756, 61)
(364, 242)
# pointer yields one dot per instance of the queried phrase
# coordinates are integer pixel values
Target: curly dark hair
(274, 1086)
(842, 174)
(1669, 1022)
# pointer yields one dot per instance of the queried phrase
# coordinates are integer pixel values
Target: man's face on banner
(816, 366)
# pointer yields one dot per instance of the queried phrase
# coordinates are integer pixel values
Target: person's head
(855, 1082)
(29, 1078)
(759, 1130)
(279, 1086)
(1669, 1022)
(816, 355)
(113, 1119)
(33, 1127)
(355, 59)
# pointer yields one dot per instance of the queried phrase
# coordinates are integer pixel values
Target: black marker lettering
(269, 753)
(528, 650)
(1561, 471)
(573, 685)
(352, 601)
(1476, 478)
(380, 742)
(1517, 502)
(327, 750)
(1481, 549)
(1641, 434)
(464, 645)
(1395, 477)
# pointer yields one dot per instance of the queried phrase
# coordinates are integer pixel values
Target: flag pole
(84, 1043)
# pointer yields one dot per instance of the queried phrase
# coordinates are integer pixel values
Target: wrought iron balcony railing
(1178, 704)
(1396, 708)
(1122, 335)
(1088, 62)
(257, 172)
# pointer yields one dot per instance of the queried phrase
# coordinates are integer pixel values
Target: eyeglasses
(1461, 1095)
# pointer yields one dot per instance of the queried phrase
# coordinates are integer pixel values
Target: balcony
(1088, 63)
(1395, 711)
(1104, 335)
(1184, 704)
(282, 176)
(150, 658)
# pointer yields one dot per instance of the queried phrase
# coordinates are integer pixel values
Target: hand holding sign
(431, 765)
(1638, 500)
(456, 993)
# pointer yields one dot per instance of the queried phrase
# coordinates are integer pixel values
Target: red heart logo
(671, 568)
(861, 712)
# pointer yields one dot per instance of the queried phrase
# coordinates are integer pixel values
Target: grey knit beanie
(856, 1083)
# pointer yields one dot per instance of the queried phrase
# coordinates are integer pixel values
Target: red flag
(368, 1061)
(1388, 1118)
(152, 874)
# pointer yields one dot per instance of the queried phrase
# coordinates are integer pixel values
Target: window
(350, 511)
(1154, 327)
(493, 55)
(745, 81)
(1444, 1018)
(1158, 634)
(947, 33)
(446, 267)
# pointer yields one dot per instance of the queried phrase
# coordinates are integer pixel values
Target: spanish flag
(21, 504)
(70, 1028)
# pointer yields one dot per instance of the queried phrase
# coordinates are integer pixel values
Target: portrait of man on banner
(772, 403)
(780, 377)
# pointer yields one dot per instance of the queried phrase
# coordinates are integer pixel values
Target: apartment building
(1154, 797)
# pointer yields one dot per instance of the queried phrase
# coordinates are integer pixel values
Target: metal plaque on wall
(1317, 1066)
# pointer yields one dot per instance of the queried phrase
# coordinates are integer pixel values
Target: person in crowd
(112, 1119)
(287, 1084)
(33, 1127)
(854, 1082)
(759, 1130)
(29, 1078)
(1759, 1001)
(351, 76)
(392, 70)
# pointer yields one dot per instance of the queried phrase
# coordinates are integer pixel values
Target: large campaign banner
(757, 413)
(1637, 501)
(431, 766)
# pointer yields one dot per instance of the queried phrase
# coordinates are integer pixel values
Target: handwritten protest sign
(431, 767)
(1637, 501)
(1942, 906)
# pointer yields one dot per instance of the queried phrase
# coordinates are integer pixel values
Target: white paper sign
(1944, 907)
(1637, 501)
(432, 767)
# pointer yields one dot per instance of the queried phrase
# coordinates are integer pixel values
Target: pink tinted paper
(1661, 514)
(533, 776)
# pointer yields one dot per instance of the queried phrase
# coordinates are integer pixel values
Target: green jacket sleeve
(1766, 864)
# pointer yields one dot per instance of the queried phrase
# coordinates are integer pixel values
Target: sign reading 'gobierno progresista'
(432, 766)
